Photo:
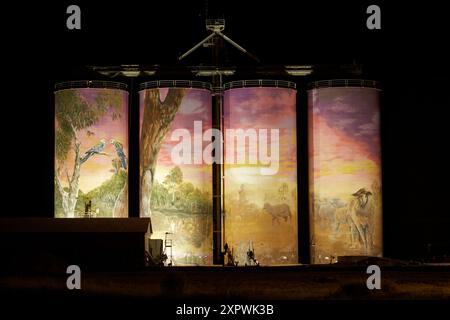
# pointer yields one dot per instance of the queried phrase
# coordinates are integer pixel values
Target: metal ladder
(168, 245)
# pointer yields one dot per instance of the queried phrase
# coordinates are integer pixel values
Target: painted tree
(74, 113)
(173, 180)
(160, 195)
(157, 117)
(186, 192)
(283, 191)
(120, 209)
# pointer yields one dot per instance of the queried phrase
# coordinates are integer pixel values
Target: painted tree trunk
(120, 207)
(70, 197)
(156, 122)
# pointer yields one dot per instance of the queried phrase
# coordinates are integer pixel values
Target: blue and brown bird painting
(97, 149)
(119, 150)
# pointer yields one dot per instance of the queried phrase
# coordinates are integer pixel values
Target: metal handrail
(359, 83)
(175, 84)
(260, 83)
(90, 84)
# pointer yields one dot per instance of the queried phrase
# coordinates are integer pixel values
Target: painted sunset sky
(263, 108)
(344, 140)
(195, 106)
(98, 168)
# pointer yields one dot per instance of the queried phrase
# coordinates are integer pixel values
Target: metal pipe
(196, 46)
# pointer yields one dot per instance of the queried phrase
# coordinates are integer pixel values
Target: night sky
(409, 56)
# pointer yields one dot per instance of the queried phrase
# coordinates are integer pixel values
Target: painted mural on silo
(176, 184)
(91, 150)
(344, 173)
(260, 183)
